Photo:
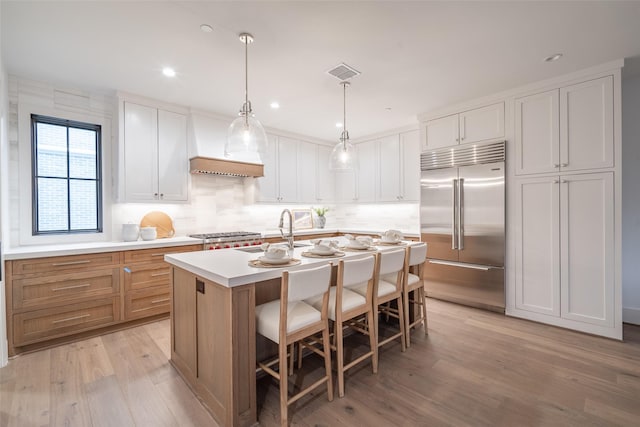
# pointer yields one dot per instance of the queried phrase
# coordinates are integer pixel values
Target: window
(67, 190)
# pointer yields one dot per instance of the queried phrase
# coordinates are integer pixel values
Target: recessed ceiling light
(275, 105)
(553, 57)
(206, 28)
(338, 125)
(169, 72)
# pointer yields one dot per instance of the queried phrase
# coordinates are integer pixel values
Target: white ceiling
(414, 56)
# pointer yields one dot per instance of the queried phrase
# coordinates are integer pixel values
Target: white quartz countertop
(230, 267)
(41, 251)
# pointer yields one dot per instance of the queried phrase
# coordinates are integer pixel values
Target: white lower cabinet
(564, 262)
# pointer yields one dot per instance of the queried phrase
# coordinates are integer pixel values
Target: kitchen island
(213, 338)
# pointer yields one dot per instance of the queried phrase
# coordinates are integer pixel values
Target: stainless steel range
(234, 239)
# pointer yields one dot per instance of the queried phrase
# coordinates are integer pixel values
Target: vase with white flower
(321, 220)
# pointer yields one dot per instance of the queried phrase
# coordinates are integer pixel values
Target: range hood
(209, 165)
(207, 135)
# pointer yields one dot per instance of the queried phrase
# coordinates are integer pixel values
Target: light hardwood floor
(475, 368)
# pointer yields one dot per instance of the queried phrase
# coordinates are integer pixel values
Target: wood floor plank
(93, 359)
(69, 404)
(183, 404)
(130, 358)
(32, 392)
(107, 404)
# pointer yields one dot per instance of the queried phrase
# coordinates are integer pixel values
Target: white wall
(631, 199)
(4, 112)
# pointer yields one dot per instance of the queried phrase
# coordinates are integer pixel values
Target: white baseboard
(631, 315)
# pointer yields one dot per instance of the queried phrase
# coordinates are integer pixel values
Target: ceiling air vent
(343, 72)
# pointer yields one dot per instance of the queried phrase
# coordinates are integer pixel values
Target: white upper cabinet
(325, 178)
(367, 173)
(566, 129)
(307, 172)
(538, 132)
(410, 167)
(399, 177)
(268, 184)
(475, 125)
(288, 169)
(586, 125)
(154, 154)
(345, 187)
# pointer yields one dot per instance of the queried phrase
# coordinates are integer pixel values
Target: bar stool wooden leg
(407, 328)
(291, 353)
(284, 396)
(401, 317)
(326, 347)
(373, 339)
(424, 310)
(339, 356)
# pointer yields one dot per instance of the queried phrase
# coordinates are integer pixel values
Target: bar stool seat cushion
(412, 279)
(299, 315)
(350, 300)
(384, 287)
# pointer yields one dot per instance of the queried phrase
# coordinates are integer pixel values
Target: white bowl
(322, 250)
(274, 261)
(276, 252)
(148, 233)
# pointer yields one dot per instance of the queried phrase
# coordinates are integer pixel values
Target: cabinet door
(325, 178)
(538, 245)
(587, 251)
(389, 177)
(140, 152)
(173, 172)
(183, 319)
(306, 174)
(538, 133)
(287, 169)
(345, 186)
(267, 186)
(482, 123)
(367, 171)
(410, 166)
(586, 125)
(441, 132)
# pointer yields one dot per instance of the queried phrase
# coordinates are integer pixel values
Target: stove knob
(237, 245)
(246, 244)
(210, 248)
(257, 243)
(226, 246)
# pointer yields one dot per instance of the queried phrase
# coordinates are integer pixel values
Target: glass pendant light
(343, 156)
(246, 134)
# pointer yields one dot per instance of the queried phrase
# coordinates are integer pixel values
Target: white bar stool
(290, 319)
(345, 305)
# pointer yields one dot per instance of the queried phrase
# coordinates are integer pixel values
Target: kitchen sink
(256, 249)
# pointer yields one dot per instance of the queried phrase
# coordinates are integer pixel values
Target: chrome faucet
(289, 237)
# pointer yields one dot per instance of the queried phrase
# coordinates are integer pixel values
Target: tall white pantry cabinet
(564, 204)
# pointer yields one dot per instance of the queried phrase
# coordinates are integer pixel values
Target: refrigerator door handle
(461, 214)
(454, 219)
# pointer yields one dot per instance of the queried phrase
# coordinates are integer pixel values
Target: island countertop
(230, 267)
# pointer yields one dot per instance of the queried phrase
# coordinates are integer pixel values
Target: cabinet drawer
(157, 254)
(147, 302)
(65, 263)
(137, 277)
(40, 325)
(43, 290)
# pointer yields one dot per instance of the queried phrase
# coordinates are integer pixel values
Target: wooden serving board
(161, 221)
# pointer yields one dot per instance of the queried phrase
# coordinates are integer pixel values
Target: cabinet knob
(564, 165)
(161, 195)
(556, 181)
(155, 195)
(556, 165)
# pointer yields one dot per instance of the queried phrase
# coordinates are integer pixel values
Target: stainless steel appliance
(462, 211)
(234, 239)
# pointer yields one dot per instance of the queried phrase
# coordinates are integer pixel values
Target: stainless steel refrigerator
(462, 213)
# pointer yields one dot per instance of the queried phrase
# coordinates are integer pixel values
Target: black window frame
(35, 120)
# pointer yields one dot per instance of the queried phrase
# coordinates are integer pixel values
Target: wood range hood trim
(211, 166)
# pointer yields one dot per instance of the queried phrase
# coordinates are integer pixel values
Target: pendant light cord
(246, 81)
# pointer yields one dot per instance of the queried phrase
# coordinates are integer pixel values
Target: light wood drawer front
(147, 303)
(145, 276)
(44, 290)
(148, 255)
(65, 263)
(40, 325)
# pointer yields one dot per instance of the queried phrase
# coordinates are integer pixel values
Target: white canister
(130, 232)
(148, 233)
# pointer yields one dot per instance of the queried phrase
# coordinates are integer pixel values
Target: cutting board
(161, 221)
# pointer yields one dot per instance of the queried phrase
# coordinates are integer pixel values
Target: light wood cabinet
(154, 160)
(56, 298)
(565, 253)
(566, 129)
(479, 124)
